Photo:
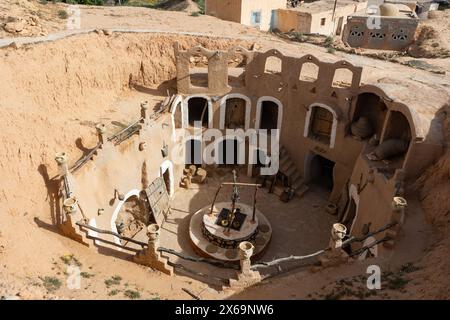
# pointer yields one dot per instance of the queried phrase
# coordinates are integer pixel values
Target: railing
(83, 225)
(344, 244)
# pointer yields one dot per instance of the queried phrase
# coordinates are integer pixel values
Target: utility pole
(334, 9)
(332, 19)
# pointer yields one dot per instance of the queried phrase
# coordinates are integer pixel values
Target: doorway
(193, 151)
(198, 111)
(166, 172)
(166, 178)
(235, 110)
(339, 26)
(269, 115)
(321, 173)
(229, 152)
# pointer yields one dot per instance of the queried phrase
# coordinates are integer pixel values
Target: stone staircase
(288, 168)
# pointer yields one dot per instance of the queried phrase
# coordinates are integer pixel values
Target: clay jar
(246, 249)
(70, 205)
(361, 128)
(153, 231)
(399, 203)
(338, 231)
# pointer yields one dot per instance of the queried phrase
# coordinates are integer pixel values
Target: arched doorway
(198, 110)
(235, 112)
(269, 113)
(128, 215)
(373, 108)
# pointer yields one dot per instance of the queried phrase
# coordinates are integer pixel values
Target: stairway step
(286, 166)
(296, 175)
(291, 170)
(285, 163)
(284, 158)
(299, 193)
(296, 184)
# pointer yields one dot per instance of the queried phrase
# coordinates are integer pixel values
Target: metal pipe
(241, 184)
(254, 203)
(142, 244)
(214, 201)
(125, 129)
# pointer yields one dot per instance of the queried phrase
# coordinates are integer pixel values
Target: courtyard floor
(300, 226)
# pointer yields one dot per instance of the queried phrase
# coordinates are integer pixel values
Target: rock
(15, 45)
(255, 47)
(15, 27)
(10, 298)
(315, 269)
(107, 32)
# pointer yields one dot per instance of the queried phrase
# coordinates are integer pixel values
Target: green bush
(62, 14)
(51, 283)
(201, 6)
(328, 41)
(132, 294)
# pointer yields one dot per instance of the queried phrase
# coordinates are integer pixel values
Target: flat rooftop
(324, 5)
(403, 12)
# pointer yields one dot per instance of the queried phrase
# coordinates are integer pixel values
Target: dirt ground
(86, 79)
(25, 18)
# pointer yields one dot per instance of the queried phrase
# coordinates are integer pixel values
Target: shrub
(51, 283)
(328, 41)
(86, 275)
(62, 14)
(69, 259)
(113, 292)
(115, 280)
(132, 294)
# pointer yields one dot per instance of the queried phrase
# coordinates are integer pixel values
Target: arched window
(343, 78)
(273, 65)
(321, 124)
(309, 72)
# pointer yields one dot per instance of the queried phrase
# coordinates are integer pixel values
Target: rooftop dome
(389, 10)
